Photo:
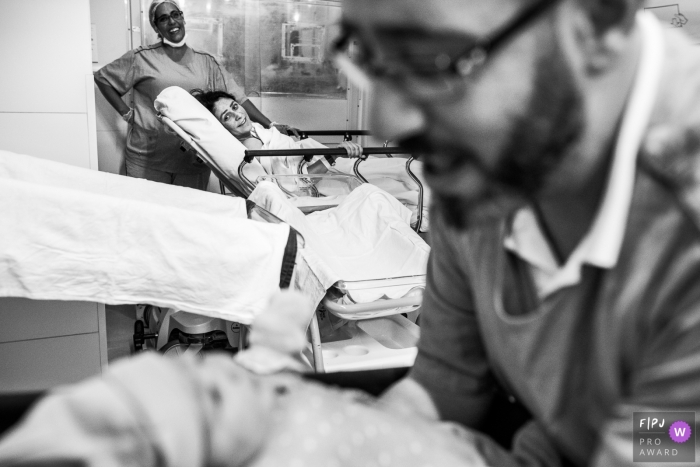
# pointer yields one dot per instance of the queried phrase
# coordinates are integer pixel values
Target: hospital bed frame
(308, 154)
(314, 330)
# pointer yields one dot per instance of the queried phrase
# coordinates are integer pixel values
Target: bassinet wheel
(176, 348)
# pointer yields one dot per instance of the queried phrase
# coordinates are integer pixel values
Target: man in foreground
(559, 138)
(560, 141)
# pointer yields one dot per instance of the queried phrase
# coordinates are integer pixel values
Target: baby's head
(227, 111)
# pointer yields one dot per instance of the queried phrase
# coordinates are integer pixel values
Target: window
(268, 46)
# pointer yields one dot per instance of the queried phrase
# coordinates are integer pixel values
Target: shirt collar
(602, 244)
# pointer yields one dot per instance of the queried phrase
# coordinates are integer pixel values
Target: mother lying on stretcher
(388, 174)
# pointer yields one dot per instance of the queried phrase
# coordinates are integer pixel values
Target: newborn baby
(155, 411)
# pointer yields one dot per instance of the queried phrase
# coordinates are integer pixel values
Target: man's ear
(599, 49)
(609, 46)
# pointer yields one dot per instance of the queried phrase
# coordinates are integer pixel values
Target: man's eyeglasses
(175, 15)
(426, 66)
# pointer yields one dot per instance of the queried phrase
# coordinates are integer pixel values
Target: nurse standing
(151, 153)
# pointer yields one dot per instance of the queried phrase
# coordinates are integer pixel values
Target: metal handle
(356, 169)
(419, 212)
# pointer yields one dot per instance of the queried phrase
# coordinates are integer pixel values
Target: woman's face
(170, 22)
(233, 117)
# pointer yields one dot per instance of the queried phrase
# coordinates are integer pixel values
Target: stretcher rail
(346, 134)
(250, 153)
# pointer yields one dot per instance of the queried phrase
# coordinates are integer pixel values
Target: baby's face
(233, 117)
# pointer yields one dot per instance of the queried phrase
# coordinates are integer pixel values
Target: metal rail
(251, 153)
(419, 208)
(346, 134)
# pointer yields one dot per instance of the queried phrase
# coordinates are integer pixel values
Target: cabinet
(47, 109)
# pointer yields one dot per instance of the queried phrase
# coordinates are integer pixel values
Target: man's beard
(538, 142)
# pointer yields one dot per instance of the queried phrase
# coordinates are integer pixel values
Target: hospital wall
(111, 33)
(47, 110)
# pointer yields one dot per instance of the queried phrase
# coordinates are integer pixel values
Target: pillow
(220, 148)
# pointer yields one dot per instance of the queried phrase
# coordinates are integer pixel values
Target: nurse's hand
(353, 149)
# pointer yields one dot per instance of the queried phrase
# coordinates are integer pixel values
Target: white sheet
(54, 174)
(67, 239)
(366, 237)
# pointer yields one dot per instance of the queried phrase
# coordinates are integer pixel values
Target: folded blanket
(65, 236)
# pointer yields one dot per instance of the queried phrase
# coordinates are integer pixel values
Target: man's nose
(393, 116)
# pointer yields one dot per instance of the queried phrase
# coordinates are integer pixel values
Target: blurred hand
(278, 335)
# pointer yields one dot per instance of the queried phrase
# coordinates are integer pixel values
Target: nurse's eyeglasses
(175, 15)
(428, 66)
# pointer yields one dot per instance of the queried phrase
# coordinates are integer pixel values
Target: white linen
(222, 149)
(366, 237)
(60, 242)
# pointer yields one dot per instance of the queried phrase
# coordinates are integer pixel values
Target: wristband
(272, 125)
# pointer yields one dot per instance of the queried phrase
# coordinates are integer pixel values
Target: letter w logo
(679, 432)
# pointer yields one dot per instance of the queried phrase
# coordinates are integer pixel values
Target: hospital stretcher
(383, 338)
(356, 335)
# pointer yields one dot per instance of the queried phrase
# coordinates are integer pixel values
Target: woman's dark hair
(209, 98)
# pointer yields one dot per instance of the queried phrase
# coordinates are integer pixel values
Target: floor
(120, 330)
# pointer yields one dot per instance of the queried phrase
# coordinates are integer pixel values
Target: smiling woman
(151, 153)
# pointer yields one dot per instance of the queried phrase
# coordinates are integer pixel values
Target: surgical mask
(176, 44)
